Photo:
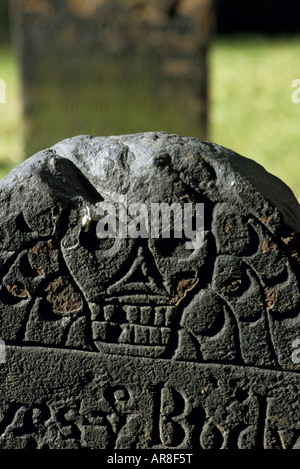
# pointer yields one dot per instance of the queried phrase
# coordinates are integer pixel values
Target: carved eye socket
(93, 242)
(176, 236)
(171, 246)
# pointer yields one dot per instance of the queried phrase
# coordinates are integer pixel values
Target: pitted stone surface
(139, 342)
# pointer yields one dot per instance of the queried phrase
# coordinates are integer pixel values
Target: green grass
(251, 107)
(251, 110)
(11, 125)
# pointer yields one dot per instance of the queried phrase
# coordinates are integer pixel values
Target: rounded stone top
(143, 165)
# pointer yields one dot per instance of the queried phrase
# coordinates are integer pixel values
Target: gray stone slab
(148, 341)
(103, 66)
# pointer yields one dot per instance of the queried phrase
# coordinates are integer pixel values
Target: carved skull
(136, 285)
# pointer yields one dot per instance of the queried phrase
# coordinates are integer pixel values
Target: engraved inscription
(181, 419)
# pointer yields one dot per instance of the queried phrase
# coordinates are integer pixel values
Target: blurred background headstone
(250, 56)
(103, 67)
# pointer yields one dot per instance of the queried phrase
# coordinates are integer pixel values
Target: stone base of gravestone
(72, 400)
(121, 330)
(115, 66)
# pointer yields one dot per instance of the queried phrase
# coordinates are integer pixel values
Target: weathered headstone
(124, 330)
(112, 66)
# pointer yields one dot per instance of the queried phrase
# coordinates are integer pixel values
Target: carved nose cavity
(141, 279)
(137, 317)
